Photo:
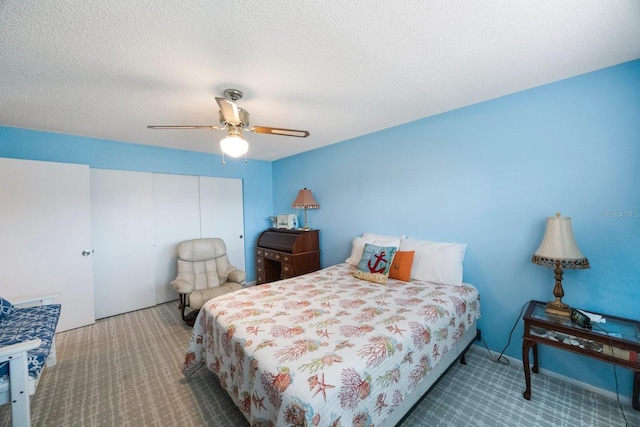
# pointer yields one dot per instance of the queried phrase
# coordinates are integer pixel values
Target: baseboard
(589, 387)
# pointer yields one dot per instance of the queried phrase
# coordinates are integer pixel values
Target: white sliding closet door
(222, 214)
(124, 258)
(45, 224)
(176, 206)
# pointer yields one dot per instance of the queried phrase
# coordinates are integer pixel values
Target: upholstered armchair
(204, 272)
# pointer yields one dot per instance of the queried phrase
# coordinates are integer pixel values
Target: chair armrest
(182, 286)
(10, 350)
(237, 276)
(45, 300)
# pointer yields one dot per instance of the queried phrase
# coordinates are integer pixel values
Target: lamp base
(558, 308)
(306, 221)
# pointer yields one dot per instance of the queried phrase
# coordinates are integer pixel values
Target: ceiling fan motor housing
(233, 94)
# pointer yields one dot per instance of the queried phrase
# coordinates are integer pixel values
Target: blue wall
(97, 153)
(488, 175)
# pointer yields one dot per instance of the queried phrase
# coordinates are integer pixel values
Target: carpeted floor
(125, 371)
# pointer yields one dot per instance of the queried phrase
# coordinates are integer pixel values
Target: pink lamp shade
(305, 201)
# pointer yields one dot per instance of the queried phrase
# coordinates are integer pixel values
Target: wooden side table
(615, 341)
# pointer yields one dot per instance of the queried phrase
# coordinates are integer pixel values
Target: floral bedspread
(326, 348)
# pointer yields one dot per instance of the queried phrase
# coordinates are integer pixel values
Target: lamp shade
(305, 200)
(558, 244)
(234, 145)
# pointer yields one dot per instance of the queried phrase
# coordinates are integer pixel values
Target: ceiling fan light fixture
(234, 145)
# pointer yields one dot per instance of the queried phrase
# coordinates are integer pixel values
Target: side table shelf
(615, 341)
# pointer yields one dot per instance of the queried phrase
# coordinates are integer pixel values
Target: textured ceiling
(340, 69)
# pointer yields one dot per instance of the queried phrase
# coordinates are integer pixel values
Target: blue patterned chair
(26, 345)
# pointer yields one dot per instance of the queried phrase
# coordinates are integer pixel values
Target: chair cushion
(27, 324)
(199, 297)
(201, 249)
(200, 274)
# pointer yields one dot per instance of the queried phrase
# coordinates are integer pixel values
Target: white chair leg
(51, 359)
(19, 390)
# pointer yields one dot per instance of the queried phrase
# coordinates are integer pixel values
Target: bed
(328, 348)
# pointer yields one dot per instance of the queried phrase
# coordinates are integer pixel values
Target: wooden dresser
(282, 253)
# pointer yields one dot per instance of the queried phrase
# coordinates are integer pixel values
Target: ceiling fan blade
(185, 127)
(279, 131)
(229, 111)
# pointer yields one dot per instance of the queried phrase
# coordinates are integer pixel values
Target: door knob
(86, 253)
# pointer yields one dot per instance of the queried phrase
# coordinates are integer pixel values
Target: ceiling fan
(235, 119)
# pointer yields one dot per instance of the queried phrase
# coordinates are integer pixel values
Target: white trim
(588, 387)
(249, 284)
(45, 300)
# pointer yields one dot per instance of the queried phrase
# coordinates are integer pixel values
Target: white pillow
(436, 262)
(357, 246)
(380, 236)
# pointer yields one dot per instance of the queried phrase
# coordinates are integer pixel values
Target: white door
(222, 214)
(45, 224)
(176, 206)
(124, 257)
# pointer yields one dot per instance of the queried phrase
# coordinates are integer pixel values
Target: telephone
(580, 319)
(289, 222)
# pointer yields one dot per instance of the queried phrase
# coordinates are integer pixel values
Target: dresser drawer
(260, 275)
(287, 270)
(276, 256)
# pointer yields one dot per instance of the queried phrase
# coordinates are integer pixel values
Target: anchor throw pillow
(375, 263)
